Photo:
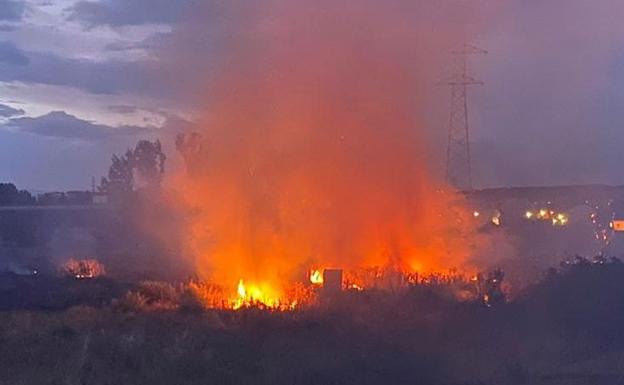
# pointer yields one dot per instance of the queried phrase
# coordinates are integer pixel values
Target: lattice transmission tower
(458, 158)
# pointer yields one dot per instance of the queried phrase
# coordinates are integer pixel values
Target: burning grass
(83, 268)
(200, 295)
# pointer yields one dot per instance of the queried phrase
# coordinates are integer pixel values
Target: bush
(151, 296)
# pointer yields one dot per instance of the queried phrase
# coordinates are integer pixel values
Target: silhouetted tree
(142, 167)
(120, 179)
(149, 163)
(11, 196)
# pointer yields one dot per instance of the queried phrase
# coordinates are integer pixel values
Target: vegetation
(564, 330)
(141, 167)
(11, 196)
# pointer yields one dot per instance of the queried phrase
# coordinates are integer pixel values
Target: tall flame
(312, 153)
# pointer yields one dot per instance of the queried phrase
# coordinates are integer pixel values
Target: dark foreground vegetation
(565, 330)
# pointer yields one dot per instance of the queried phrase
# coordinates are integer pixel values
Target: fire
(315, 160)
(316, 277)
(242, 293)
(262, 296)
(83, 269)
(354, 286)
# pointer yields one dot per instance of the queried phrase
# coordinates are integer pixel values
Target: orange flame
(261, 296)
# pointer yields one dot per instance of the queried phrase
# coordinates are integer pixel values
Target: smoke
(312, 146)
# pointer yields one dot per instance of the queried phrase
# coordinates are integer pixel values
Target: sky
(81, 80)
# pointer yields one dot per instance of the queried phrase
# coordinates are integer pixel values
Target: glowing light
(241, 289)
(355, 287)
(260, 295)
(251, 296)
(316, 277)
(496, 218)
(476, 214)
(83, 276)
(555, 218)
(560, 220)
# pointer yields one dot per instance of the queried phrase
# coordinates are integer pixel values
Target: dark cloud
(59, 124)
(117, 13)
(8, 111)
(12, 10)
(11, 55)
(98, 77)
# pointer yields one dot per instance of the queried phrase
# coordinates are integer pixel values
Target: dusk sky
(80, 80)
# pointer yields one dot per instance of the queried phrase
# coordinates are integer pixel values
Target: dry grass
(419, 336)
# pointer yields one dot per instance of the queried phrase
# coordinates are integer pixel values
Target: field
(564, 330)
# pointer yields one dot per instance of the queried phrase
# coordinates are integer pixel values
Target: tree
(149, 163)
(120, 179)
(142, 167)
(10, 195)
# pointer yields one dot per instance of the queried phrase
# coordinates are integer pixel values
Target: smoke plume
(312, 149)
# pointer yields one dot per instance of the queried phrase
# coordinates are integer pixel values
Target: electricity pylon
(458, 157)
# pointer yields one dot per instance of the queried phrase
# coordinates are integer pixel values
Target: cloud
(12, 10)
(553, 76)
(150, 43)
(116, 13)
(11, 55)
(59, 124)
(98, 77)
(123, 109)
(8, 111)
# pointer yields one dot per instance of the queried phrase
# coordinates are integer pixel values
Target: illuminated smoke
(311, 148)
